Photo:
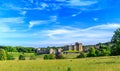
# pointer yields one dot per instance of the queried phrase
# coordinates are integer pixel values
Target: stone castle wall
(76, 47)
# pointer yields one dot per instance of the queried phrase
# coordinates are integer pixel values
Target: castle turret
(79, 46)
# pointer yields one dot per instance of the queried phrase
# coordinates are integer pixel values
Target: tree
(116, 37)
(115, 50)
(22, 57)
(92, 52)
(10, 57)
(82, 55)
(3, 55)
(103, 51)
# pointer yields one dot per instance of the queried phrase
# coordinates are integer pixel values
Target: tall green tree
(115, 50)
(116, 37)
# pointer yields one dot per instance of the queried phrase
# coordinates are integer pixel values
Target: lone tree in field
(115, 50)
(3, 55)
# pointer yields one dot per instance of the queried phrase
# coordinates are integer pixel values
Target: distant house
(42, 51)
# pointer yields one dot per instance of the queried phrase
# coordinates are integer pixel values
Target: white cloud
(105, 26)
(44, 5)
(4, 22)
(73, 15)
(32, 23)
(40, 22)
(13, 20)
(80, 2)
(90, 35)
(23, 12)
(4, 28)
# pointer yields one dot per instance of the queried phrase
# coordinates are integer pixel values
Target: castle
(76, 48)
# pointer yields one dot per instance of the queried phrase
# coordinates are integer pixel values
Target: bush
(103, 51)
(60, 56)
(21, 57)
(49, 56)
(92, 52)
(82, 55)
(10, 57)
(46, 57)
(3, 55)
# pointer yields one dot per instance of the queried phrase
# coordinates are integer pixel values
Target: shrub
(21, 57)
(10, 57)
(3, 55)
(49, 56)
(82, 55)
(46, 57)
(59, 56)
(92, 52)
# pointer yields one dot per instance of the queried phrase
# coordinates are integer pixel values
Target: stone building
(51, 51)
(75, 48)
(78, 46)
(42, 51)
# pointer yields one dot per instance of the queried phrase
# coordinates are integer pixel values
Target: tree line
(18, 49)
(105, 49)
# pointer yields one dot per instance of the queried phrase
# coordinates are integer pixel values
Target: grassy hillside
(85, 64)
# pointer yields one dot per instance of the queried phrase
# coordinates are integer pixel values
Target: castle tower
(79, 46)
(52, 51)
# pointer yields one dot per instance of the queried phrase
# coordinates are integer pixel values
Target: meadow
(111, 63)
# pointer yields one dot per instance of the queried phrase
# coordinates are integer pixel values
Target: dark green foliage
(49, 56)
(92, 52)
(25, 49)
(59, 56)
(82, 55)
(9, 48)
(21, 57)
(115, 50)
(103, 51)
(46, 57)
(3, 54)
(18, 49)
(10, 57)
(116, 37)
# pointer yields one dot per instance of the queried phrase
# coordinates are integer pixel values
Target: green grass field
(84, 64)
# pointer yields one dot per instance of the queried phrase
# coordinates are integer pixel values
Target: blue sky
(41, 23)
